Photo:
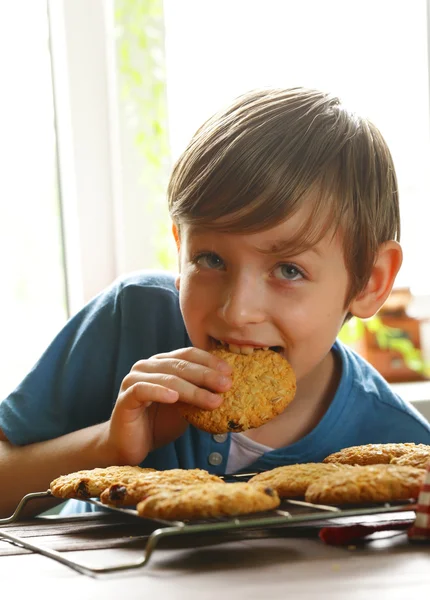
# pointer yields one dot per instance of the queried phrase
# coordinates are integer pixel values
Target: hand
(146, 413)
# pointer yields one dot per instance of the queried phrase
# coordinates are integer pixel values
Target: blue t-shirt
(76, 382)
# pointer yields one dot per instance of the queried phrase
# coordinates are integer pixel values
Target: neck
(313, 398)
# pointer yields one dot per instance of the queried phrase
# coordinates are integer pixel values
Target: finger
(187, 391)
(143, 393)
(199, 375)
(196, 355)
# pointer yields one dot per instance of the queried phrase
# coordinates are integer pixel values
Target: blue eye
(209, 260)
(288, 271)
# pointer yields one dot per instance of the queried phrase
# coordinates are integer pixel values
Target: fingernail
(224, 367)
(224, 381)
(170, 394)
(214, 399)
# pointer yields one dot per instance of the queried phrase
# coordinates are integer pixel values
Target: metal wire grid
(169, 529)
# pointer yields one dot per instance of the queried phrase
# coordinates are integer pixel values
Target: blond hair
(253, 165)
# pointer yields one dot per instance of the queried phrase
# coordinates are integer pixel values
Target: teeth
(241, 349)
(234, 348)
(247, 349)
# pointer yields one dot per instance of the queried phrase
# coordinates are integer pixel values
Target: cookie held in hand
(263, 385)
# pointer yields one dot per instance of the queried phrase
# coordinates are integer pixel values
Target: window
(33, 299)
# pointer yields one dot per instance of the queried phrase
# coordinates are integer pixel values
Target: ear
(175, 232)
(378, 288)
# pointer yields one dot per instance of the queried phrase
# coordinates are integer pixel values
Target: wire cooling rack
(283, 517)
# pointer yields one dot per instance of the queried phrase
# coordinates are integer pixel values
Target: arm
(145, 416)
(31, 468)
(58, 420)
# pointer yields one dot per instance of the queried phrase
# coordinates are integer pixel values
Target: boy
(286, 219)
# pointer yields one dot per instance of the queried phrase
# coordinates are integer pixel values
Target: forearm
(25, 469)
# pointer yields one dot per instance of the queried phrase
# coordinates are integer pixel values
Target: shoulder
(134, 312)
(150, 283)
(373, 400)
(362, 376)
(142, 303)
(137, 292)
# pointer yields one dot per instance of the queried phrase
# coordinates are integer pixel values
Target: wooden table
(299, 568)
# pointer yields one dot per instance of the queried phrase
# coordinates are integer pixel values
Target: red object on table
(420, 530)
(344, 535)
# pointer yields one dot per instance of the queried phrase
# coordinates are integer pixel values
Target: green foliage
(352, 331)
(142, 82)
(387, 338)
(141, 64)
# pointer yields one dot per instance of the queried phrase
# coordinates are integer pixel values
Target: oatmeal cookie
(371, 454)
(91, 483)
(263, 385)
(208, 501)
(128, 494)
(293, 480)
(369, 483)
(420, 457)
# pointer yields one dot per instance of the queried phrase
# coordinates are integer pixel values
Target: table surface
(277, 567)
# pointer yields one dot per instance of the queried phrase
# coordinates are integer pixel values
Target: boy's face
(244, 290)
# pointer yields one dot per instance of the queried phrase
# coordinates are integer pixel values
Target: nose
(242, 301)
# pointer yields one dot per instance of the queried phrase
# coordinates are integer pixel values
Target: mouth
(243, 347)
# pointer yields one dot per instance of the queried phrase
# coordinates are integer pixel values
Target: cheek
(196, 310)
(191, 298)
(312, 317)
(188, 310)
(184, 295)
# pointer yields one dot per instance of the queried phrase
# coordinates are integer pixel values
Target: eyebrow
(289, 247)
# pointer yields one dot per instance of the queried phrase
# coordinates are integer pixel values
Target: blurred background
(98, 99)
